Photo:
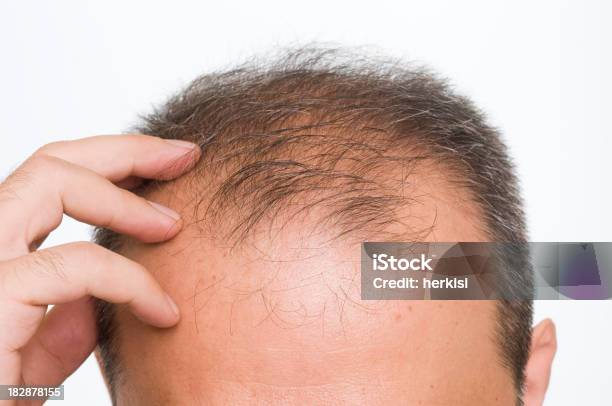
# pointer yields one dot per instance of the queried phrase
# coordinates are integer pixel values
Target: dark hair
(324, 125)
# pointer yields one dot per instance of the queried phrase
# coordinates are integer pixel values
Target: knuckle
(19, 179)
(49, 149)
(85, 251)
(82, 246)
(41, 162)
(28, 175)
(22, 176)
(48, 263)
(44, 165)
(93, 255)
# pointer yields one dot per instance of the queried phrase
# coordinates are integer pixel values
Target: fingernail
(165, 210)
(182, 144)
(172, 305)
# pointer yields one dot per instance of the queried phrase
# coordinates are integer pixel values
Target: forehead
(293, 265)
(282, 309)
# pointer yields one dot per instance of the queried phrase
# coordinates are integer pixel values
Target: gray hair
(322, 127)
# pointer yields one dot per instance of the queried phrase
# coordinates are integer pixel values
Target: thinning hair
(325, 129)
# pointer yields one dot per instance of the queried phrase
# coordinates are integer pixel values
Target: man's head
(304, 157)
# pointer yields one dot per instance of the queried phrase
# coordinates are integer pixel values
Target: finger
(131, 182)
(113, 157)
(69, 272)
(51, 187)
(63, 341)
(118, 156)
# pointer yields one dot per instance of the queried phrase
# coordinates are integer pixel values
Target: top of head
(356, 141)
(303, 158)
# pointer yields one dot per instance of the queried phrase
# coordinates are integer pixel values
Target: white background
(540, 69)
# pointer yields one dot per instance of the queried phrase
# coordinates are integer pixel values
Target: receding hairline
(252, 104)
(359, 196)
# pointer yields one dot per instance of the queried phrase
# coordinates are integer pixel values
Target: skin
(276, 320)
(278, 317)
(81, 179)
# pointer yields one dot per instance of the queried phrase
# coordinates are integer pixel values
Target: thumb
(64, 340)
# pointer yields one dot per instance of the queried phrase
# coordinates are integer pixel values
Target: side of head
(304, 157)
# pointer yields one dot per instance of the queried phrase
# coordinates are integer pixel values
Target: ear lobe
(538, 368)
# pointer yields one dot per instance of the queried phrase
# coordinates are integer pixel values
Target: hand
(81, 178)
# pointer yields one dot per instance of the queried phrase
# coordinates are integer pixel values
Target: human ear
(538, 368)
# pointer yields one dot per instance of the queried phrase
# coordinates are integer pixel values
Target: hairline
(298, 62)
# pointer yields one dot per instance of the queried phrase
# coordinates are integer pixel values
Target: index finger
(73, 177)
(117, 157)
